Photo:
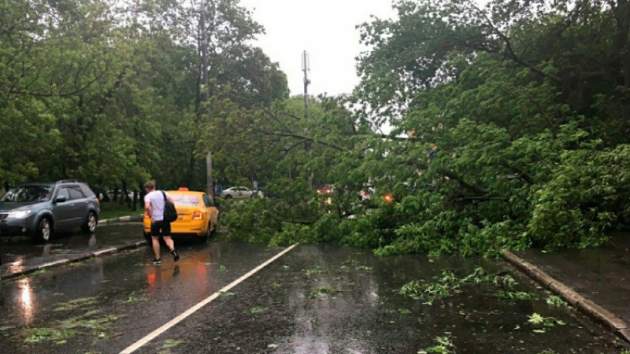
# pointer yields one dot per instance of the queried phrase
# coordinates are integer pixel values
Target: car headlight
(19, 214)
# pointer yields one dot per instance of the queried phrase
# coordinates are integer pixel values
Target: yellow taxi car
(196, 214)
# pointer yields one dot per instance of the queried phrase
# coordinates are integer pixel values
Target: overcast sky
(325, 28)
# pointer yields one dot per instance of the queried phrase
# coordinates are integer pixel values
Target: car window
(27, 194)
(87, 191)
(185, 200)
(63, 193)
(76, 193)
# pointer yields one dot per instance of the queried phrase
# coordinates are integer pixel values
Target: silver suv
(40, 209)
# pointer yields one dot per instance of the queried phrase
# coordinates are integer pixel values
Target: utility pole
(306, 67)
(209, 180)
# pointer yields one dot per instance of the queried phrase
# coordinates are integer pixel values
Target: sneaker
(175, 255)
(157, 261)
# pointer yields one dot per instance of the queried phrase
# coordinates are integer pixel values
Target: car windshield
(185, 200)
(27, 194)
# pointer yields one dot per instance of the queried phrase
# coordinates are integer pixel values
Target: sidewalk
(600, 275)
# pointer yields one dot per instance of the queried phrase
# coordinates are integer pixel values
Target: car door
(62, 209)
(79, 205)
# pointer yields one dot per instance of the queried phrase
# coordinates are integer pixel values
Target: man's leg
(156, 229)
(169, 241)
(155, 241)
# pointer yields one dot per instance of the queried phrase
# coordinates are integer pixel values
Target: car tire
(44, 231)
(228, 197)
(90, 223)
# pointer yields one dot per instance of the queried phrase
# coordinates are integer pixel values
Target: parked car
(240, 193)
(196, 214)
(41, 209)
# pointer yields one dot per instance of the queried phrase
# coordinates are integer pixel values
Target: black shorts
(160, 229)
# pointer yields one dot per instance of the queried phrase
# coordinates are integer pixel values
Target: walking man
(154, 203)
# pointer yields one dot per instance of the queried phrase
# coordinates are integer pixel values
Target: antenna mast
(306, 68)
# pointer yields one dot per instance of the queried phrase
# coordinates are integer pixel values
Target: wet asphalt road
(20, 252)
(315, 299)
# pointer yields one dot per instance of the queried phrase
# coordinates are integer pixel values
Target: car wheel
(91, 223)
(228, 197)
(44, 230)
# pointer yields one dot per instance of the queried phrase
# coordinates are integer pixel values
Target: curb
(595, 311)
(129, 218)
(75, 259)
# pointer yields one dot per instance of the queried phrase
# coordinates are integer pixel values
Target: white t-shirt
(156, 199)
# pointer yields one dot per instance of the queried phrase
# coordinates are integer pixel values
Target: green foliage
(443, 345)
(584, 198)
(503, 133)
(556, 301)
(113, 94)
(257, 310)
(448, 284)
(507, 125)
(541, 324)
(516, 295)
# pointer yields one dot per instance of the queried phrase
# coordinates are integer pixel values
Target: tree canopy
(473, 128)
(509, 128)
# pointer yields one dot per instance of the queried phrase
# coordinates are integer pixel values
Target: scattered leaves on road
(135, 297)
(255, 310)
(541, 323)
(323, 291)
(171, 343)
(91, 321)
(556, 301)
(76, 304)
(443, 345)
(313, 271)
(448, 284)
(516, 295)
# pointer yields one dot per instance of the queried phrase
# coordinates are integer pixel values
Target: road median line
(149, 337)
(587, 306)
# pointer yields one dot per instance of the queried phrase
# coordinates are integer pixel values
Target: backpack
(170, 213)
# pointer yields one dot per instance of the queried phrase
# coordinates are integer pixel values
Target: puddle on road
(321, 299)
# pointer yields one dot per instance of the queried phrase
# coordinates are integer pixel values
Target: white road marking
(104, 251)
(149, 337)
(53, 263)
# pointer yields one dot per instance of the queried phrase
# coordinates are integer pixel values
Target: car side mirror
(60, 199)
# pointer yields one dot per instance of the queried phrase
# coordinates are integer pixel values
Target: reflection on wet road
(107, 303)
(322, 299)
(18, 253)
(315, 299)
